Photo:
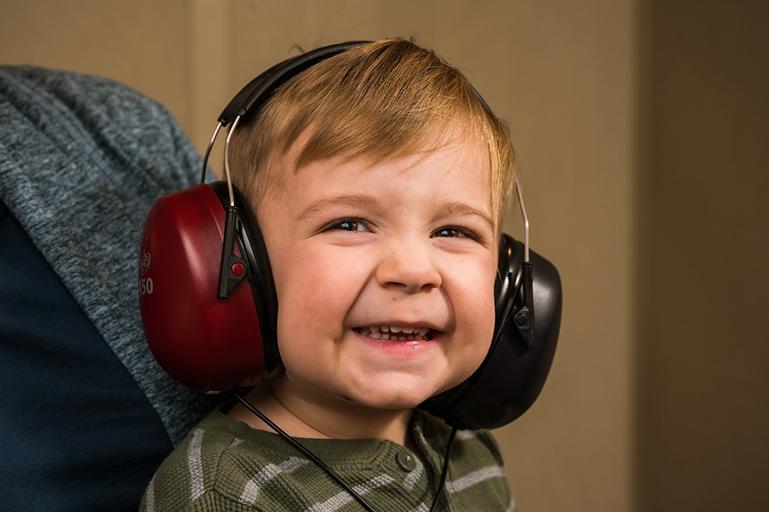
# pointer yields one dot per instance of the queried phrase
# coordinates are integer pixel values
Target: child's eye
(352, 224)
(455, 232)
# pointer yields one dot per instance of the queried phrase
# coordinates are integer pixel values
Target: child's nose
(408, 266)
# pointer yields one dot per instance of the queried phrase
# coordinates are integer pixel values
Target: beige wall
(625, 173)
(143, 43)
(542, 67)
(703, 372)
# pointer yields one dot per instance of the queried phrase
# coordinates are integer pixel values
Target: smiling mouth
(394, 333)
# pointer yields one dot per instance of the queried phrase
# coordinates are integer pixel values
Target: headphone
(209, 306)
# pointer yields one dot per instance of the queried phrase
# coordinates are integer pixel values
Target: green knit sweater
(224, 465)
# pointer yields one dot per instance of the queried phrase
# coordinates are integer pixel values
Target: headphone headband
(260, 89)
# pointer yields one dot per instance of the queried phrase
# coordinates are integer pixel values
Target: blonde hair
(379, 100)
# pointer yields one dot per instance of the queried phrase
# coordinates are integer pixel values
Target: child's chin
(393, 400)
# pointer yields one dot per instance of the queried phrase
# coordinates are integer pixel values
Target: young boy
(377, 178)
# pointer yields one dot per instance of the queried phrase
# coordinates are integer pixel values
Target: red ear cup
(204, 342)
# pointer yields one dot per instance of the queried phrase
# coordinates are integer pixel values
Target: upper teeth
(419, 331)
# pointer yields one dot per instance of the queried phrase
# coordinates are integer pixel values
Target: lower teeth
(389, 336)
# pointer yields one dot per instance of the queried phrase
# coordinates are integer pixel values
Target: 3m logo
(146, 286)
(144, 263)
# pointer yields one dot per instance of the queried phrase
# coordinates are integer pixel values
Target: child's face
(356, 246)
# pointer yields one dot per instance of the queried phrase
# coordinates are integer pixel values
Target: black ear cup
(513, 373)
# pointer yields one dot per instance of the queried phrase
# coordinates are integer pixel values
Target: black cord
(299, 446)
(445, 469)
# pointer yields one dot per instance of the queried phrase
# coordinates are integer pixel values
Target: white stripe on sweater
(342, 498)
(195, 465)
(464, 435)
(476, 477)
(269, 472)
(413, 477)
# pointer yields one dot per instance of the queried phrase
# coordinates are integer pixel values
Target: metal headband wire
(211, 143)
(208, 152)
(519, 192)
(227, 160)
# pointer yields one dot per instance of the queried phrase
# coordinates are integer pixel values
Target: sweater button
(406, 461)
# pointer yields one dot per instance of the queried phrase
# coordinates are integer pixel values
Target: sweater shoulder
(215, 469)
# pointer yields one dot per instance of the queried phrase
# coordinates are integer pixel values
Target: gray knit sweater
(82, 159)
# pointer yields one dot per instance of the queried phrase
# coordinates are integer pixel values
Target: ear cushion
(204, 342)
(512, 374)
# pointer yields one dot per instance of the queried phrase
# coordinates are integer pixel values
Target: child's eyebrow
(354, 201)
(367, 202)
(457, 208)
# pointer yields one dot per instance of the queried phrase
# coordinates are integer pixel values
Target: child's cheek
(472, 293)
(315, 296)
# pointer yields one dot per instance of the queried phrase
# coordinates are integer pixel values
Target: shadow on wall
(702, 370)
